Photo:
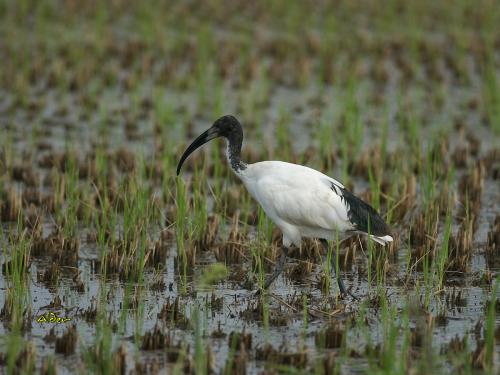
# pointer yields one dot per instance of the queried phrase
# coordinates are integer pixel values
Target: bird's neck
(233, 154)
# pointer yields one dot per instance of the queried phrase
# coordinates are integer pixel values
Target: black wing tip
(386, 230)
(375, 225)
(364, 217)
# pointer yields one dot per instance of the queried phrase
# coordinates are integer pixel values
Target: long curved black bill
(198, 142)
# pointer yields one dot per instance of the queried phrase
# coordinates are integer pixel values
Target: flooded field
(111, 264)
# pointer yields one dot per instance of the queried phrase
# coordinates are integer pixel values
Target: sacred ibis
(301, 201)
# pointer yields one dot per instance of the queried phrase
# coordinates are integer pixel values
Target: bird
(302, 202)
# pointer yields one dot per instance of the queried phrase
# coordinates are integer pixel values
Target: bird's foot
(259, 292)
(262, 290)
(345, 293)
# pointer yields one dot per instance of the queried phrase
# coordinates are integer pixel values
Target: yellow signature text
(50, 317)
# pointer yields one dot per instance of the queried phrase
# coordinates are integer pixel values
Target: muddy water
(77, 130)
(294, 334)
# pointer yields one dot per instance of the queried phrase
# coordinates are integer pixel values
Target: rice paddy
(110, 264)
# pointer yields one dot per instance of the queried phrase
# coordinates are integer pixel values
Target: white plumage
(300, 201)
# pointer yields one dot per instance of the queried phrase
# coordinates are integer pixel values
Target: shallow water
(62, 121)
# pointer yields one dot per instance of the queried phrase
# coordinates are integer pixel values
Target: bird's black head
(226, 126)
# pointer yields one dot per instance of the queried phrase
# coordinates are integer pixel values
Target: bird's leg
(337, 275)
(278, 267)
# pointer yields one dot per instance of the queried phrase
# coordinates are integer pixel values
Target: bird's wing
(308, 201)
(302, 196)
(363, 216)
